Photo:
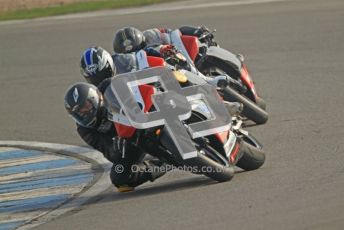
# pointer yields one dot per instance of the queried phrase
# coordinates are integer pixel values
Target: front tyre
(252, 158)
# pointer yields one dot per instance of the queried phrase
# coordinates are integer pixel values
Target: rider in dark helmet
(155, 42)
(96, 64)
(158, 36)
(128, 40)
(84, 103)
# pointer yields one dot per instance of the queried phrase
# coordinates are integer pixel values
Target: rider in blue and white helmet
(96, 65)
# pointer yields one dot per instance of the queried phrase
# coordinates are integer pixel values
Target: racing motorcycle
(218, 153)
(213, 60)
(233, 90)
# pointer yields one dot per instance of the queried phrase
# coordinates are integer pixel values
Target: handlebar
(207, 34)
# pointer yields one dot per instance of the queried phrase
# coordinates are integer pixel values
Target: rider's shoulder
(103, 85)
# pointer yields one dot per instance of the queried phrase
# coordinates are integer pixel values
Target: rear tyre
(251, 110)
(261, 103)
(215, 68)
(252, 158)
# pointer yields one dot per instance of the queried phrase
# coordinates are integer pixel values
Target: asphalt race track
(295, 51)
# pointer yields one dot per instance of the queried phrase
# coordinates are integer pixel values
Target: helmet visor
(86, 114)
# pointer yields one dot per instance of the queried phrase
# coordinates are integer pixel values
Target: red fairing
(222, 137)
(245, 77)
(146, 92)
(155, 61)
(124, 131)
(235, 152)
(191, 45)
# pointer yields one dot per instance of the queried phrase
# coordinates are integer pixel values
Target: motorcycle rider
(96, 64)
(84, 102)
(130, 39)
(156, 42)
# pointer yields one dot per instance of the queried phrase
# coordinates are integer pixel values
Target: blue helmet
(96, 65)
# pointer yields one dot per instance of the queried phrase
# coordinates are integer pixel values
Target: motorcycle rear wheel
(250, 110)
(261, 103)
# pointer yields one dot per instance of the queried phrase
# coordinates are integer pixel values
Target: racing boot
(125, 188)
(149, 170)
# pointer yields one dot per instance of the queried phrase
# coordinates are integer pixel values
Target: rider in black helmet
(128, 40)
(84, 103)
(156, 42)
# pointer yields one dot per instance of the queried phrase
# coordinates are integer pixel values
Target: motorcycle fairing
(245, 77)
(176, 40)
(146, 92)
(191, 45)
(155, 61)
(141, 93)
(225, 55)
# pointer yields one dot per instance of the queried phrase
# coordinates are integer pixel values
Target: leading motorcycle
(232, 90)
(212, 60)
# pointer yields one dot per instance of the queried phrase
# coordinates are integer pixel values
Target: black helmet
(96, 65)
(128, 39)
(83, 102)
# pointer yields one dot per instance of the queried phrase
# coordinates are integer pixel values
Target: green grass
(74, 8)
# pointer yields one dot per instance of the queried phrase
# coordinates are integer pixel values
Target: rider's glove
(164, 30)
(120, 145)
(202, 29)
(167, 51)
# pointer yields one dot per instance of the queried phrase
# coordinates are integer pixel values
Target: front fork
(241, 136)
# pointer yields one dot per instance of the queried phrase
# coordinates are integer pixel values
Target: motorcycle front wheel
(252, 158)
(212, 164)
(209, 162)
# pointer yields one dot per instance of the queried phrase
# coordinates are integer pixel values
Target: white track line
(34, 193)
(184, 5)
(4, 150)
(42, 173)
(28, 160)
